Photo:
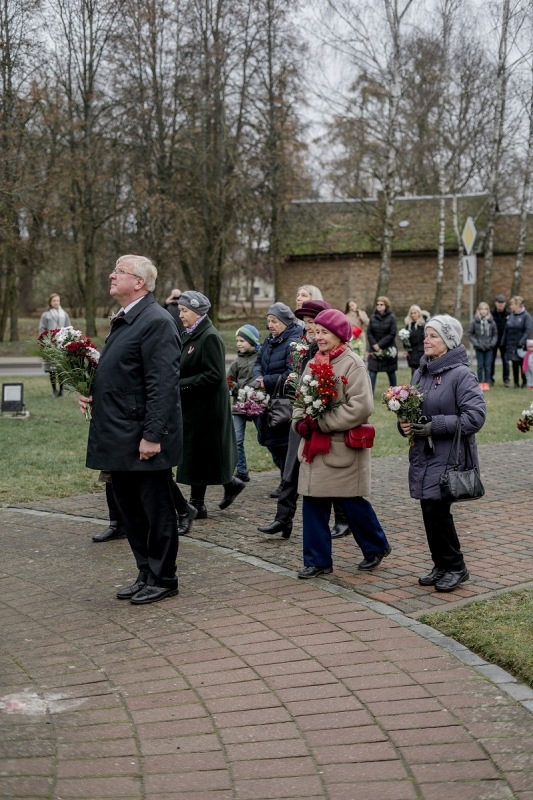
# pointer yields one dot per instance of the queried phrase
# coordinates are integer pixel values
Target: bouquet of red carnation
(525, 423)
(317, 392)
(73, 356)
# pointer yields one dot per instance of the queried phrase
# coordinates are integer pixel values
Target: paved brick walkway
(252, 685)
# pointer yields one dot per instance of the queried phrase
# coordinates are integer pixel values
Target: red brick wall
(412, 281)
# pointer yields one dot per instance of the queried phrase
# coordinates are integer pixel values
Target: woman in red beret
(329, 470)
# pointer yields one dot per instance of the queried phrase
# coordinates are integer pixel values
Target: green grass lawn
(499, 630)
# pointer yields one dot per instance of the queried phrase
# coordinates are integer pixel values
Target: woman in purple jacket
(451, 392)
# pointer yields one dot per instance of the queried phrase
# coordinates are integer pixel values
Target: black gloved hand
(421, 428)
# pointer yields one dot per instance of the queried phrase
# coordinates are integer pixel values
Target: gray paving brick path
(252, 685)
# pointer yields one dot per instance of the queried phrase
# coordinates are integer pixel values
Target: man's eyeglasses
(119, 271)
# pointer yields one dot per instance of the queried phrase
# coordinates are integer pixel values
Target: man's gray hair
(143, 268)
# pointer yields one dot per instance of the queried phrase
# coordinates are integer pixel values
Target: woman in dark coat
(272, 369)
(209, 445)
(451, 392)
(516, 334)
(381, 336)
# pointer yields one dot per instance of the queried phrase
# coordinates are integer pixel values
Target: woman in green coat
(209, 445)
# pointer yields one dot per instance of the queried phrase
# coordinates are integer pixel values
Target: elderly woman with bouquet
(448, 393)
(334, 396)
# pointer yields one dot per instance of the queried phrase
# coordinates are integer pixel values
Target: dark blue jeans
(484, 365)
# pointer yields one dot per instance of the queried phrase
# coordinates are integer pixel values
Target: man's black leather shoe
(234, 489)
(312, 572)
(431, 579)
(129, 591)
(451, 580)
(373, 562)
(151, 594)
(185, 520)
(113, 532)
(276, 493)
(277, 527)
(339, 530)
(243, 476)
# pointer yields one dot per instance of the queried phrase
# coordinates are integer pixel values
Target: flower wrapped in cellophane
(250, 402)
(73, 356)
(405, 401)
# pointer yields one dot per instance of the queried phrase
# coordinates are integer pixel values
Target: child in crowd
(483, 334)
(527, 364)
(239, 376)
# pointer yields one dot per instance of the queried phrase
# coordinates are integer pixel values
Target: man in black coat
(499, 315)
(136, 428)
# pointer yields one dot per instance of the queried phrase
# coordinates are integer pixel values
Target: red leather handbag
(360, 438)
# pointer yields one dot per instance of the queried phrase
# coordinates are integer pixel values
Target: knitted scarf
(320, 443)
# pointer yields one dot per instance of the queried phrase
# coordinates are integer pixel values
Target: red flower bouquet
(525, 423)
(317, 392)
(73, 356)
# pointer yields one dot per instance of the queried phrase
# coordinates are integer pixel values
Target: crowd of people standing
(192, 419)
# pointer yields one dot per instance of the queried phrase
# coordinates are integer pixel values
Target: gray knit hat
(195, 301)
(449, 329)
(282, 312)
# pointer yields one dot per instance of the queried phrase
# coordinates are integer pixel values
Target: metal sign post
(469, 261)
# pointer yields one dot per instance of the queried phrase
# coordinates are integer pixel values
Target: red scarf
(320, 443)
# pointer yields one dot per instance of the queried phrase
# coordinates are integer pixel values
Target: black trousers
(146, 506)
(443, 541)
(505, 363)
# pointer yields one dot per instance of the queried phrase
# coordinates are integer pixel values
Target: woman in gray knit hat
(209, 445)
(451, 393)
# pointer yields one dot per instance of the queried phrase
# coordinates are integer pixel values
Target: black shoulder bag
(279, 409)
(457, 485)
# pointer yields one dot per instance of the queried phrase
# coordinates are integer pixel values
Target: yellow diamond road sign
(469, 235)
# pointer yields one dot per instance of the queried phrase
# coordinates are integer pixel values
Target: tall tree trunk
(497, 145)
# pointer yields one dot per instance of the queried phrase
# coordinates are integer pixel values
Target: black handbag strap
(455, 450)
(276, 392)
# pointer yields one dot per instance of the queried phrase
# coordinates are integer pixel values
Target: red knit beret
(336, 322)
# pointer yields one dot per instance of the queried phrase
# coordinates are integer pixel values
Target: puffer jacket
(272, 363)
(483, 337)
(273, 359)
(240, 372)
(516, 334)
(450, 390)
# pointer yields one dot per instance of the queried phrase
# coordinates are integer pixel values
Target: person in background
(271, 370)
(527, 364)
(307, 292)
(55, 317)
(499, 315)
(483, 334)
(329, 470)
(173, 307)
(414, 323)
(517, 332)
(240, 374)
(381, 335)
(358, 319)
(209, 445)
(450, 393)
